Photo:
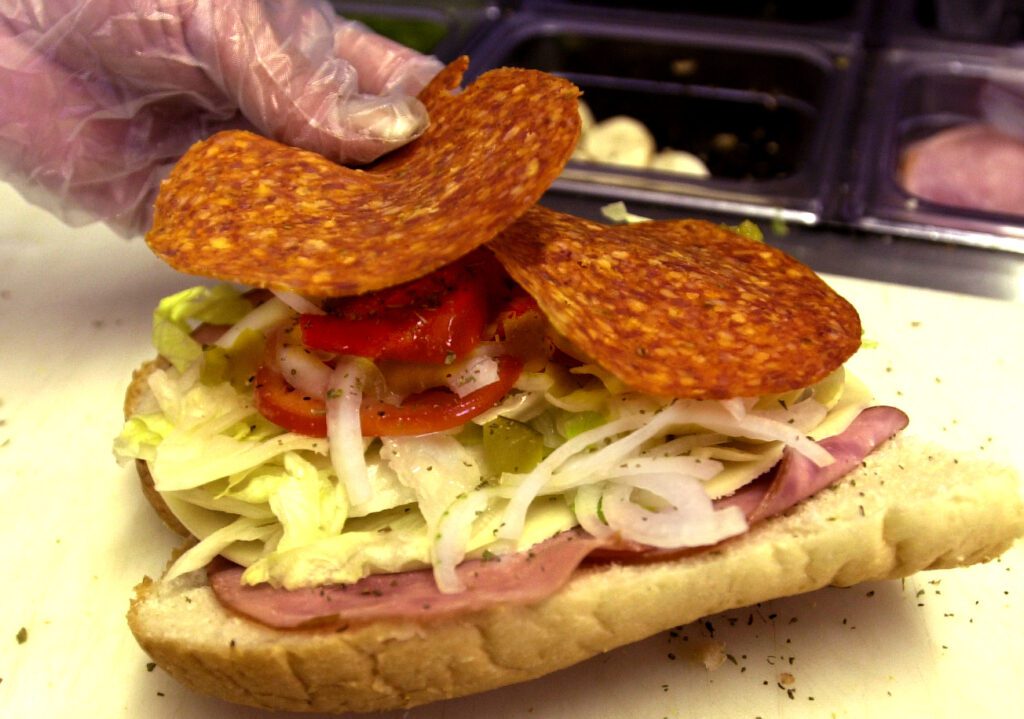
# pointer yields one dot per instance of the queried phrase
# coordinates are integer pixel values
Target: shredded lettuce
(195, 446)
(243, 529)
(307, 504)
(221, 304)
(141, 436)
(393, 541)
(435, 467)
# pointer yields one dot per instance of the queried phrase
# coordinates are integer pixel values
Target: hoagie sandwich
(460, 440)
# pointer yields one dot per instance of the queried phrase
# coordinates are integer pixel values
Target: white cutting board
(76, 534)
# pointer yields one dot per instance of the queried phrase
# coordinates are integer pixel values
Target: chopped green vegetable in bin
(420, 35)
(511, 446)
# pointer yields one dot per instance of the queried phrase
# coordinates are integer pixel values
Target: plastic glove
(99, 98)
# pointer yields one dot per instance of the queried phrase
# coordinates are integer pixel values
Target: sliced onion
(736, 406)
(712, 416)
(587, 508)
(264, 318)
(303, 370)
(690, 520)
(696, 467)
(521, 406)
(531, 484)
(638, 429)
(344, 397)
(472, 374)
(804, 416)
(579, 400)
(593, 463)
(685, 444)
(534, 382)
(298, 303)
(452, 538)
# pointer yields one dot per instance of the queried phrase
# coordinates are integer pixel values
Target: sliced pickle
(511, 446)
(571, 424)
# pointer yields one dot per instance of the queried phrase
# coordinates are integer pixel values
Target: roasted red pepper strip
(434, 319)
(430, 411)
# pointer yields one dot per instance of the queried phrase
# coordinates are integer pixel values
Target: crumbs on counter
(711, 654)
(785, 683)
(22, 635)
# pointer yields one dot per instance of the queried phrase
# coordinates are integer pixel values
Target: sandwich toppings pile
(438, 396)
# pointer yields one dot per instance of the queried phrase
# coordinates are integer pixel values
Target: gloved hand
(99, 98)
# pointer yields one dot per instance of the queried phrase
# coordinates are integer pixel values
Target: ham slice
(530, 577)
(521, 578)
(974, 166)
(796, 478)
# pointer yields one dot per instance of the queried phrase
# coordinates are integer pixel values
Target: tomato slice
(430, 411)
(288, 407)
(433, 319)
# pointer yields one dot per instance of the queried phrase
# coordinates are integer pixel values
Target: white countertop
(75, 308)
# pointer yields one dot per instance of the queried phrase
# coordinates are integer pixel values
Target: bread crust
(909, 507)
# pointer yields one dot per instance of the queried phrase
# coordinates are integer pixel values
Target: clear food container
(917, 94)
(761, 112)
(444, 28)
